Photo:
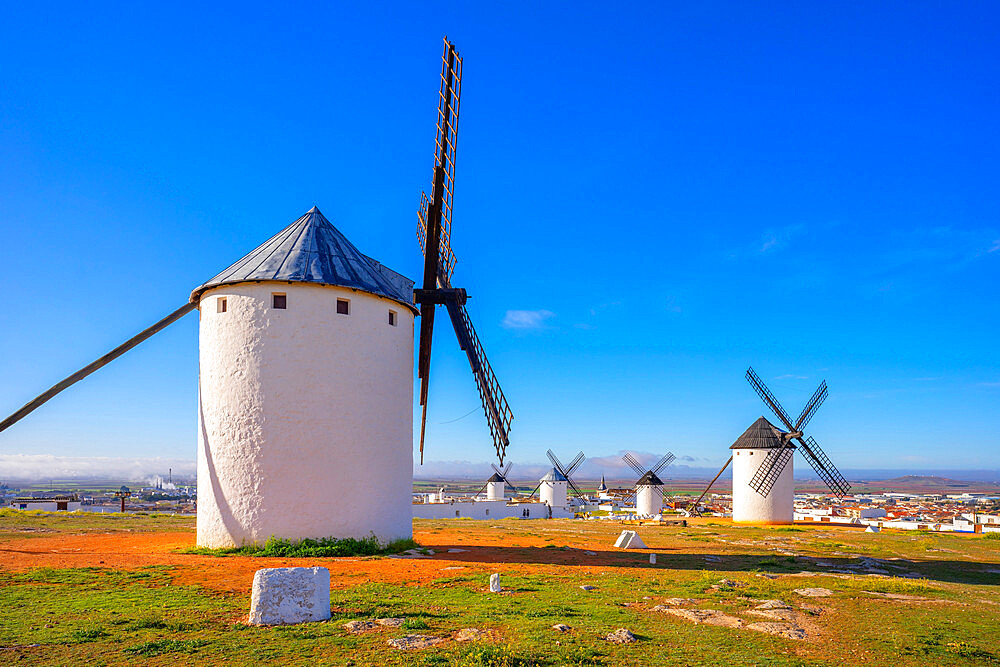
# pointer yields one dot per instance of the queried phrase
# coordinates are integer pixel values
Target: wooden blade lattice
(498, 413)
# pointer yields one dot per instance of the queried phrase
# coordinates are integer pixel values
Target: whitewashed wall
(648, 500)
(553, 493)
(495, 490)
(751, 507)
(305, 416)
(487, 509)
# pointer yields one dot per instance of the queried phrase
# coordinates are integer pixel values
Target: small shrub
(491, 655)
(897, 585)
(327, 547)
(967, 650)
(161, 646)
(992, 536)
(415, 623)
(88, 635)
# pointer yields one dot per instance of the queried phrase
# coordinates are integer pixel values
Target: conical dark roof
(312, 250)
(762, 434)
(603, 486)
(649, 479)
(553, 476)
(496, 478)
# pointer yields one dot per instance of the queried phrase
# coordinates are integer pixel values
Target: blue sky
(649, 198)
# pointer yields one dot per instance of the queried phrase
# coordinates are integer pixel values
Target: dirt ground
(484, 550)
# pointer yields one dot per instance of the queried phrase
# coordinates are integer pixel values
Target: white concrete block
(286, 595)
(652, 559)
(494, 583)
(629, 539)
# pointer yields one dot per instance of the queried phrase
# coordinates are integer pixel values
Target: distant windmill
(494, 486)
(649, 487)
(552, 487)
(770, 476)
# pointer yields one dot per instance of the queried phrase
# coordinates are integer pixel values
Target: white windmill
(495, 486)
(553, 486)
(763, 488)
(306, 374)
(649, 487)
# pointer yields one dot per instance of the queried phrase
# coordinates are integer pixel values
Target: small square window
(220, 304)
(343, 307)
(279, 301)
(392, 318)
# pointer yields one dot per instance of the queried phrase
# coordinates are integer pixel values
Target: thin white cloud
(526, 319)
(789, 376)
(37, 467)
(775, 239)
(995, 247)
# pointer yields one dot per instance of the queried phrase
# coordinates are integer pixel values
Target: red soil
(130, 551)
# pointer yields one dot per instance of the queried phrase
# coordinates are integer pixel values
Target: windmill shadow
(766, 564)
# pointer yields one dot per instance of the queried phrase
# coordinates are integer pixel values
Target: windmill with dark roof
(306, 373)
(553, 487)
(495, 486)
(649, 487)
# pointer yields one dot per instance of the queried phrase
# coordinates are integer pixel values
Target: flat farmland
(121, 589)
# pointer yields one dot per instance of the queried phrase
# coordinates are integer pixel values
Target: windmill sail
(769, 471)
(810, 408)
(769, 398)
(434, 235)
(823, 466)
(567, 471)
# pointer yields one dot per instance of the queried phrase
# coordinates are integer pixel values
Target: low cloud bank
(612, 467)
(39, 467)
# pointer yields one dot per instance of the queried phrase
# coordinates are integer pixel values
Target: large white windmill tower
(750, 451)
(305, 393)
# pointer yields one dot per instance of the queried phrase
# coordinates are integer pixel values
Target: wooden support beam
(39, 400)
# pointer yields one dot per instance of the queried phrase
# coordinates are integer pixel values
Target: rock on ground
(621, 636)
(773, 614)
(495, 583)
(286, 595)
(357, 627)
(898, 596)
(410, 642)
(781, 629)
(706, 616)
(814, 592)
(773, 604)
(561, 627)
(391, 622)
(678, 601)
(588, 587)
(471, 634)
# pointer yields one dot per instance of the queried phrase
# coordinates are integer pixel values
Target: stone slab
(288, 595)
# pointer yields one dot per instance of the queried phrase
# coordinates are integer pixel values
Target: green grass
(992, 536)
(148, 615)
(36, 523)
(309, 548)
